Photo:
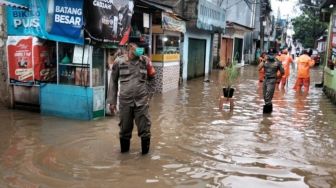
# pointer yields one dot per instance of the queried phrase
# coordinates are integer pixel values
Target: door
(196, 58)
(226, 51)
(238, 49)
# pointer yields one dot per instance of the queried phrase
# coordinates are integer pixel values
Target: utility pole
(262, 29)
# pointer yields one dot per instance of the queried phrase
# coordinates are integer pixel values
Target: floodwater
(194, 144)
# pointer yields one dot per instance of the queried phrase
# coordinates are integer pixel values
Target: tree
(307, 26)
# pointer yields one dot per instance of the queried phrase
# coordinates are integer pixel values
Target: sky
(287, 7)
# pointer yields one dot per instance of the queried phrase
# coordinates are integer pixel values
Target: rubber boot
(145, 143)
(268, 109)
(124, 145)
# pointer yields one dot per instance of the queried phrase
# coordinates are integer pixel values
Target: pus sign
(58, 20)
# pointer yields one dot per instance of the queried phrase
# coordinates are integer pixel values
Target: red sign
(44, 70)
(20, 59)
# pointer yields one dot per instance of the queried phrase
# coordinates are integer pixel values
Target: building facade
(204, 18)
(329, 80)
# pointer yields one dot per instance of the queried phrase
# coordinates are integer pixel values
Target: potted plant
(230, 74)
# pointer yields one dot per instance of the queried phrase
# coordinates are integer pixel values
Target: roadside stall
(50, 63)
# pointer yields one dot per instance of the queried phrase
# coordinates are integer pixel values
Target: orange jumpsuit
(303, 77)
(286, 61)
(279, 58)
(261, 71)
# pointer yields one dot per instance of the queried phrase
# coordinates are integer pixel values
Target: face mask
(139, 51)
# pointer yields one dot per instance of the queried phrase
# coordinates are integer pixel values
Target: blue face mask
(139, 51)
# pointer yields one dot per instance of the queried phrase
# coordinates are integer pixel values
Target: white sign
(79, 51)
(145, 20)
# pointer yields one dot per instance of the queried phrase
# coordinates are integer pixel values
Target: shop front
(166, 43)
(155, 27)
(56, 63)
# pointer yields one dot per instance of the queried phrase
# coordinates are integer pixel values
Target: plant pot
(228, 92)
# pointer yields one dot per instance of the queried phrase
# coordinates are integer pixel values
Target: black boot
(268, 108)
(145, 142)
(124, 145)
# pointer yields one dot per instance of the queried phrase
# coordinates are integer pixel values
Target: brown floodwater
(194, 144)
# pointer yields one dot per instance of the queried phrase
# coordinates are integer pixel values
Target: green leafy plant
(231, 74)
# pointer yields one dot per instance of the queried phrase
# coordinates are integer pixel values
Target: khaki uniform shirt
(135, 88)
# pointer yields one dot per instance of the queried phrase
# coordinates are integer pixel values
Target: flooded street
(194, 144)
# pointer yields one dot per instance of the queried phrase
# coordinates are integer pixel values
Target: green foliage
(308, 28)
(231, 73)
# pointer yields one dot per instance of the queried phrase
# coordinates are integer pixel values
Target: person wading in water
(271, 67)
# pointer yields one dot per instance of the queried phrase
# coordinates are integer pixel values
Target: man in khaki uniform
(136, 76)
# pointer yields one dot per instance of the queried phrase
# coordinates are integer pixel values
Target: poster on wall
(44, 69)
(58, 20)
(110, 21)
(172, 23)
(20, 59)
(333, 36)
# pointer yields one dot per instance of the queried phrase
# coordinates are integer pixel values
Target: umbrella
(7, 3)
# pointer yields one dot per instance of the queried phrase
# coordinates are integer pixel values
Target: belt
(270, 77)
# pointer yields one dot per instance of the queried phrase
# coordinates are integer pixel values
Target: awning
(156, 5)
(7, 3)
(238, 26)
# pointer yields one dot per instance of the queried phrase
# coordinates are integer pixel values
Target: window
(166, 44)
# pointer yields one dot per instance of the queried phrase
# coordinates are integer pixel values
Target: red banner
(44, 70)
(20, 59)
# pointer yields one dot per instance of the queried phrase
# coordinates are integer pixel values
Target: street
(194, 144)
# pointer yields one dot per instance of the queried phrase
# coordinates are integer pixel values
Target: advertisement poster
(172, 24)
(58, 20)
(20, 59)
(44, 69)
(65, 18)
(110, 21)
(333, 36)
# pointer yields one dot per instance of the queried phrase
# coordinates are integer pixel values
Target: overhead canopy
(155, 5)
(15, 5)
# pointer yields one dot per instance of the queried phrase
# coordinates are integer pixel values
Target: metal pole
(57, 63)
(262, 17)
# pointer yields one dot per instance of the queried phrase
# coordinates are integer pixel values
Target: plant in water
(228, 76)
(231, 73)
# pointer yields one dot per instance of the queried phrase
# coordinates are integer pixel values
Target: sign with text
(20, 59)
(44, 20)
(65, 18)
(109, 21)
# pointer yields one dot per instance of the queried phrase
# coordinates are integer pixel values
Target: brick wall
(167, 78)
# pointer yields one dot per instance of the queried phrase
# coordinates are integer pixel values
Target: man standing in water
(136, 75)
(271, 67)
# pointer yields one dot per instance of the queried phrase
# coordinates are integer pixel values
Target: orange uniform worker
(262, 59)
(303, 77)
(279, 58)
(286, 61)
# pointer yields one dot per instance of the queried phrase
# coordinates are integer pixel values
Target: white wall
(206, 37)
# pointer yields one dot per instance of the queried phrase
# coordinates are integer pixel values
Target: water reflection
(194, 143)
